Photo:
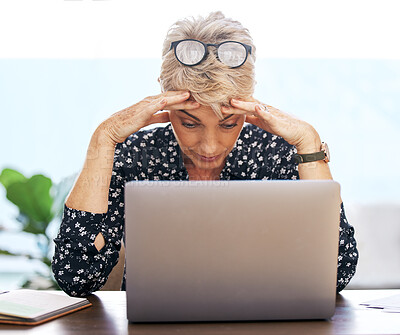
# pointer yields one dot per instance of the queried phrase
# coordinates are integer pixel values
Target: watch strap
(305, 158)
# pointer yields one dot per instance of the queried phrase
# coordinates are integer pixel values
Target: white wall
(126, 29)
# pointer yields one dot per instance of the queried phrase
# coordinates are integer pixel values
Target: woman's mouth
(208, 158)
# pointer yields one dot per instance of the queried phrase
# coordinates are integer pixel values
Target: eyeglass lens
(192, 52)
(232, 54)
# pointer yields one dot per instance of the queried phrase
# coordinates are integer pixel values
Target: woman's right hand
(129, 120)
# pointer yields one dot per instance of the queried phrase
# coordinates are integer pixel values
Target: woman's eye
(189, 125)
(229, 126)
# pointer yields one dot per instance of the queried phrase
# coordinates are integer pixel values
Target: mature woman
(207, 82)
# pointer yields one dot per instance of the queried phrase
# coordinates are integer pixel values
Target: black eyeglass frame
(206, 45)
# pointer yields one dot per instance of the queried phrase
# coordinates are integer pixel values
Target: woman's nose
(209, 145)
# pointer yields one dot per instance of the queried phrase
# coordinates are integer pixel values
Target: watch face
(325, 148)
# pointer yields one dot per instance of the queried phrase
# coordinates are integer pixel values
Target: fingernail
(163, 101)
(234, 100)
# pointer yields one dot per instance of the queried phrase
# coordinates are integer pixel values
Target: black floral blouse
(155, 155)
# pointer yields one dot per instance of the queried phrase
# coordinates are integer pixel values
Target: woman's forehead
(203, 113)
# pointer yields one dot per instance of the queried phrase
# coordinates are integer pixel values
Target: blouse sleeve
(348, 253)
(78, 267)
(286, 168)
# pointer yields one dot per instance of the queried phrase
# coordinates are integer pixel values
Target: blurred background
(65, 66)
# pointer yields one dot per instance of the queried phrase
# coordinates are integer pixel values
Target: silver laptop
(237, 250)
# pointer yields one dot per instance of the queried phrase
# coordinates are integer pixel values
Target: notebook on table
(31, 307)
(231, 250)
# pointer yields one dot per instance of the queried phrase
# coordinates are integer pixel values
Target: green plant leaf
(44, 260)
(10, 176)
(35, 227)
(7, 253)
(33, 199)
(59, 192)
(47, 261)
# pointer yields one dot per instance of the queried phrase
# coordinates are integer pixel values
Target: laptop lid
(231, 250)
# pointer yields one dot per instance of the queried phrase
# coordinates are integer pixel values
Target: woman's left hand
(293, 130)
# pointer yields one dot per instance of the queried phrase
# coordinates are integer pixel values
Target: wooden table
(108, 316)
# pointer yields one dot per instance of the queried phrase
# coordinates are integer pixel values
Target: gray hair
(211, 82)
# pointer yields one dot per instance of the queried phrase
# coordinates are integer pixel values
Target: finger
(173, 93)
(251, 106)
(157, 97)
(272, 111)
(233, 110)
(161, 117)
(160, 104)
(262, 110)
(253, 120)
(244, 105)
(175, 99)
